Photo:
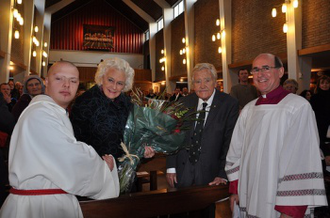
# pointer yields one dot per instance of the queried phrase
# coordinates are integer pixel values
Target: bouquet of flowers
(159, 124)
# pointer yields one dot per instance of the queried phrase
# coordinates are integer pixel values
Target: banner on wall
(98, 37)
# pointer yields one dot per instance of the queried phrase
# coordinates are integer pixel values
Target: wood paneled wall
(67, 32)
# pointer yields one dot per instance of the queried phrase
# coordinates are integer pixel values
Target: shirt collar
(273, 97)
(209, 101)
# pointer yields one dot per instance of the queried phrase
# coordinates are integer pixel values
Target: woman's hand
(109, 160)
(149, 152)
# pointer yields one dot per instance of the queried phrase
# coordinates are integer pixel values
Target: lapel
(214, 109)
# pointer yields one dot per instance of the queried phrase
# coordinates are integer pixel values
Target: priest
(273, 163)
(47, 165)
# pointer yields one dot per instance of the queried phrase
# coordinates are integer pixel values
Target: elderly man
(47, 165)
(273, 163)
(243, 91)
(208, 139)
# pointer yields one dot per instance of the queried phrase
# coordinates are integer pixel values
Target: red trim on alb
(37, 192)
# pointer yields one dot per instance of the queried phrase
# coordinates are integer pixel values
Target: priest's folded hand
(109, 160)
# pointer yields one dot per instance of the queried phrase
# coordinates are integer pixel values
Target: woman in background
(33, 86)
(306, 94)
(320, 102)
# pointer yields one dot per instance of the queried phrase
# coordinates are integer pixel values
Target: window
(178, 9)
(160, 24)
(147, 35)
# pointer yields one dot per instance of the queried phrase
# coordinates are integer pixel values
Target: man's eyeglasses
(264, 69)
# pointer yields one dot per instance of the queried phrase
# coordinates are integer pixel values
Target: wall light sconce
(285, 28)
(217, 36)
(284, 8)
(44, 63)
(163, 59)
(45, 44)
(16, 34)
(163, 83)
(274, 12)
(15, 13)
(34, 54)
(36, 29)
(184, 50)
(44, 54)
(19, 2)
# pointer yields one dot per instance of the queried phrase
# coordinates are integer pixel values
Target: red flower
(177, 130)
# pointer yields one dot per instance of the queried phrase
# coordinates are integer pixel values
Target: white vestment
(44, 154)
(274, 154)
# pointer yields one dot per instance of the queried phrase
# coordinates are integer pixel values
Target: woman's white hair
(118, 64)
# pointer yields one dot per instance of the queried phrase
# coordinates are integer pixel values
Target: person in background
(99, 115)
(5, 90)
(307, 94)
(291, 85)
(243, 91)
(13, 91)
(176, 95)
(273, 163)
(203, 160)
(320, 102)
(151, 94)
(33, 86)
(185, 91)
(47, 165)
(18, 87)
(7, 123)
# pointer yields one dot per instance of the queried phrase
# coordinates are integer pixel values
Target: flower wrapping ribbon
(127, 154)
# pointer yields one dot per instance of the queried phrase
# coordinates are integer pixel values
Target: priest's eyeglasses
(263, 69)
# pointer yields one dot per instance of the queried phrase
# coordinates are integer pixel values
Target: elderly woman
(291, 85)
(33, 86)
(99, 115)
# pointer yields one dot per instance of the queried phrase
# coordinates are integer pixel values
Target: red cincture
(37, 192)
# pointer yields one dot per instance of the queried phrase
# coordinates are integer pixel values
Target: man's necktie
(197, 137)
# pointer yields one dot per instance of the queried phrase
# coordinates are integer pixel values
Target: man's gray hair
(205, 66)
(118, 64)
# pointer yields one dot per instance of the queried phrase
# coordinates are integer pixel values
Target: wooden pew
(155, 203)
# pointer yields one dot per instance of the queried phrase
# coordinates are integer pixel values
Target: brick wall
(178, 32)
(17, 46)
(206, 13)
(316, 22)
(255, 30)
(160, 75)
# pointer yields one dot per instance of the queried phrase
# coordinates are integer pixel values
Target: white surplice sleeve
(300, 170)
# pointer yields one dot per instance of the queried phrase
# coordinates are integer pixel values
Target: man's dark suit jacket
(216, 138)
